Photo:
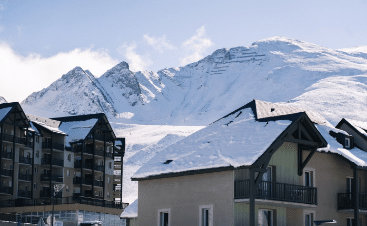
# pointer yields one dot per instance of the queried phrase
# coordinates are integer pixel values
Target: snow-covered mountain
(276, 69)
(155, 109)
(2, 100)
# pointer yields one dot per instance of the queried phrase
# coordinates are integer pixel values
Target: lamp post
(57, 189)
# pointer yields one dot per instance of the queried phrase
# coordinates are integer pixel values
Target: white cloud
(196, 46)
(158, 43)
(136, 62)
(22, 75)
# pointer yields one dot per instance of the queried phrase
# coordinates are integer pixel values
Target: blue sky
(41, 40)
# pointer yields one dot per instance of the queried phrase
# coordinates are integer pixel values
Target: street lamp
(57, 189)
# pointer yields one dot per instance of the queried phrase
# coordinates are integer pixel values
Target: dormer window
(347, 143)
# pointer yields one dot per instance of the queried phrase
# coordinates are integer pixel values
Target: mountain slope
(2, 100)
(276, 69)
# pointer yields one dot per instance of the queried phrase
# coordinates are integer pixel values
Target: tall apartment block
(78, 152)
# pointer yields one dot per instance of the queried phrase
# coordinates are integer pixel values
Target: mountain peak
(2, 100)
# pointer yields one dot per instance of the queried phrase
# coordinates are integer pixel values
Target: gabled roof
(78, 127)
(240, 139)
(41, 123)
(358, 126)
(6, 109)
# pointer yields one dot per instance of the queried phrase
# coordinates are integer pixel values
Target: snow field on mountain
(142, 143)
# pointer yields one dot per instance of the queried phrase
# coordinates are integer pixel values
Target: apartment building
(263, 164)
(78, 152)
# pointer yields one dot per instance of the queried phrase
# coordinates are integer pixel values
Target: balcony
(109, 155)
(99, 152)
(277, 192)
(7, 155)
(25, 177)
(55, 162)
(6, 190)
(54, 178)
(79, 180)
(346, 201)
(98, 183)
(45, 193)
(54, 145)
(6, 172)
(8, 137)
(83, 165)
(24, 194)
(25, 160)
(99, 167)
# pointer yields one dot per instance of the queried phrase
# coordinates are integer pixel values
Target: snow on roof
(4, 112)
(359, 125)
(355, 155)
(48, 124)
(77, 130)
(235, 140)
(131, 210)
(267, 109)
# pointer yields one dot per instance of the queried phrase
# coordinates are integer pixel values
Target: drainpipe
(252, 197)
(356, 196)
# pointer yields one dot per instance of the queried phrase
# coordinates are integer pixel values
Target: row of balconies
(89, 166)
(63, 200)
(18, 140)
(87, 181)
(97, 151)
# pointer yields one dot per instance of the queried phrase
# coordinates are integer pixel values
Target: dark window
(163, 219)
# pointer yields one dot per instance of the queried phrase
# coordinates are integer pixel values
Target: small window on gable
(347, 142)
(163, 217)
(206, 215)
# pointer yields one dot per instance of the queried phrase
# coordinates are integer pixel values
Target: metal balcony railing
(277, 191)
(6, 172)
(54, 145)
(24, 194)
(8, 137)
(25, 160)
(55, 162)
(25, 177)
(8, 155)
(54, 178)
(6, 190)
(346, 201)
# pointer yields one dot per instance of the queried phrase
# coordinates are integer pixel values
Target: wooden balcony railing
(346, 201)
(277, 191)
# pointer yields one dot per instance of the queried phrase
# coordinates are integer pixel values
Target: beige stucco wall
(183, 195)
(331, 172)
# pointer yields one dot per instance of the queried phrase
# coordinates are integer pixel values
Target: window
(69, 157)
(108, 194)
(100, 193)
(347, 143)
(38, 154)
(37, 139)
(34, 186)
(309, 219)
(67, 188)
(108, 180)
(350, 221)
(163, 217)
(309, 177)
(26, 188)
(265, 217)
(110, 165)
(206, 215)
(36, 169)
(68, 173)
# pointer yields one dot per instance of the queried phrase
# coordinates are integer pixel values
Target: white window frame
(210, 207)
(347, 140)
(309, 169)
(306, 212)
(164, 211)
(271, 217)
